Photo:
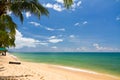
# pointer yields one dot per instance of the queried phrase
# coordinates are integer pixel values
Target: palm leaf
(32, 6)
(7, 31)
(68, 3)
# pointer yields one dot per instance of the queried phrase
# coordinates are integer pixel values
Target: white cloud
(59, 1)
(79, 3)
(54, 47)
(48, 5)
(72, 36)
(85, 22)
(77, 24)
(61, 29)
(81, 23)
(82, 49)
(54, 39)
(46, 28)
(26, 42)
(97, 46)
(35, 23)
(118, 18)
(28, 14)
(76, 4)
(102, 48)
(56, 6)
(43, 43)
(49, 29)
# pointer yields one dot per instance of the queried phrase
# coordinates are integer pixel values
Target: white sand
(39, 71)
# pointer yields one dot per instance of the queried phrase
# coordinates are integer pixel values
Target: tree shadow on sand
(20, 77)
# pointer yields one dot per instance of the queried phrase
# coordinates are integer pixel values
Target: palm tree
(8, 27)
(7, 31)
(19, 6)
(68, 3)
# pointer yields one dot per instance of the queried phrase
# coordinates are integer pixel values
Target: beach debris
(11, 62)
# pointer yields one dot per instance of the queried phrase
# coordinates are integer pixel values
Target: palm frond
(68, 3)
(7, 31)
(32, 6)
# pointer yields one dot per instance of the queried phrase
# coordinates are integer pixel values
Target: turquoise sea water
(105, 62)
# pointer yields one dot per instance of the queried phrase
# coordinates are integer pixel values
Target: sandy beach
(41, 71)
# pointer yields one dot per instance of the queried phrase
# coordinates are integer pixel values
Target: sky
(88, 26)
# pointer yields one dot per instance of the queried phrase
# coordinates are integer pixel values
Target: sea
(102, 62)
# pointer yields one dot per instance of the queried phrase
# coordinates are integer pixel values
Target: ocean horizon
(103, 62)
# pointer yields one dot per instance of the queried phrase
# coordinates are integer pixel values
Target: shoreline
(59, 72)
(93, 69)
(84, 71)
(67, 67)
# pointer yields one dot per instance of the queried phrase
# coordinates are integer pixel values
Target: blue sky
(89, 25)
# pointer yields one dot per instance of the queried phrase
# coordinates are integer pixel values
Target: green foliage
(33, 6)
(19, 6)
(68, 3)
(7, 31)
